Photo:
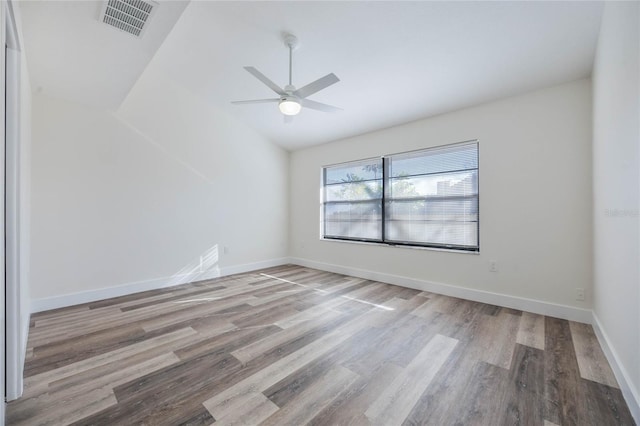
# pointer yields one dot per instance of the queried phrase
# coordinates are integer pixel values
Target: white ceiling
(74, 56)
(397, 61)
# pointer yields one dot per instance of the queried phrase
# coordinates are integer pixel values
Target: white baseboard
(629, 391)
(529, 305)
(47, 303)
(239, 269)
(514, 302)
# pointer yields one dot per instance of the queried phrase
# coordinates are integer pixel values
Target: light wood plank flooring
(292, 346)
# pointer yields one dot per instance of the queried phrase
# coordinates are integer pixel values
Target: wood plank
(603, 405)
(523, 395)
(496, 339)
(592, 363)
(397, 400)
(481, 402)
(348, 407)
(236, 413)
(561, 367)
(308, 403)
(200, 417)
(439, 404)
(531, 330)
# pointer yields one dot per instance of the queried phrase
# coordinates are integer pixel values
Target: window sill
(367, 243)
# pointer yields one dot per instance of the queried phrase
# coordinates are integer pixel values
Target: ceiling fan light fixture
(290, 100)
(289, 106)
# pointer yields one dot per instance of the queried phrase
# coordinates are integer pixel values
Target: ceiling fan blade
(288, 119)
(257, 74)
(308, 103)
(256, 101)
(316, 86)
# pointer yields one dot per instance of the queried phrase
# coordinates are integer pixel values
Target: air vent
(130, 16)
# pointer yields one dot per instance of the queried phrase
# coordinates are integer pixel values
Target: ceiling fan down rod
(290, 63)
(291, 42)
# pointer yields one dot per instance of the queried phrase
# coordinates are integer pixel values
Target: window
(421, 198)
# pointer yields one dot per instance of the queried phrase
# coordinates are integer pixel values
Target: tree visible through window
(426, 198)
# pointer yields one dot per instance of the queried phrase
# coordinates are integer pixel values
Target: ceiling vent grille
(130, 16)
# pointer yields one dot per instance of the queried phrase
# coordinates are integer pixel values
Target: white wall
(149, 197)
(616, 190)
(535, 199)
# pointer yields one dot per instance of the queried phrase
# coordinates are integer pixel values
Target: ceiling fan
(292, 100)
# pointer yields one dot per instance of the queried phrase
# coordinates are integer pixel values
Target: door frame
(3, 26)
(14, 345)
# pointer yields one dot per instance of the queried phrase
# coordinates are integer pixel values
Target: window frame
(384, 200)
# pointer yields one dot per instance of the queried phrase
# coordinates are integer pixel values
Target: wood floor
(292, 346)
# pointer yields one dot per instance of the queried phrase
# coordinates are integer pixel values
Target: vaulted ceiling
(397, 61)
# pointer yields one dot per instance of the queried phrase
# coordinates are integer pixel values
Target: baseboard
(520, 303)
(529, 305)
(65, 300)
(629, 391)
(247, 267)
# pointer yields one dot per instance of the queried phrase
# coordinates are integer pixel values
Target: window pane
(442, 233)
(352, 191)
(445, 184)
(354, 220)
(353, 200)
(435, 160)
(354, 171)
(432, 197)
(459, 209)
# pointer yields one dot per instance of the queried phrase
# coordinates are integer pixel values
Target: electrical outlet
(225, 250)
(493, 266)
(580, 294)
